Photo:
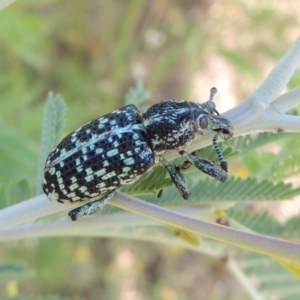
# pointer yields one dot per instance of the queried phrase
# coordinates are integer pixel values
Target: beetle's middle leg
(205, 166)
(177, 178)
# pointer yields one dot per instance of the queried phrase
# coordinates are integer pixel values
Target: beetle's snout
(218, 124)
(225, 130)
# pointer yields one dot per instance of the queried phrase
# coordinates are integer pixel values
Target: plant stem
(250, 241)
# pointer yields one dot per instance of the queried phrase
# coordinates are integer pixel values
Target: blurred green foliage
(91, 52)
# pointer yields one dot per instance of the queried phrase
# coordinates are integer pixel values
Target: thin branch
(5, 3)
(278, 78)
(266, 245)
(256, 113)
(287, 101)
(244, 280)
(250, 241)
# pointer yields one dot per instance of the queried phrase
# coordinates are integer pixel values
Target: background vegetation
(92, 52)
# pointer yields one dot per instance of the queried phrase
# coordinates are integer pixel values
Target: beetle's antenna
(213, 91)
(222, 160)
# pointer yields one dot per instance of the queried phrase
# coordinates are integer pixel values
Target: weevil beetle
(116, 149)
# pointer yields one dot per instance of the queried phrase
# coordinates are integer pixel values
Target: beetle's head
(217, 123)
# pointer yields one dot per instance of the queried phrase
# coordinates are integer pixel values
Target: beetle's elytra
(116, 149)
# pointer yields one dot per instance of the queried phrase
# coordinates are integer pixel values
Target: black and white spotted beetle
(116, 149)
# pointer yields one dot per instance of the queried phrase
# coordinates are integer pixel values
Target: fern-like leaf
(15, 270)
(151, 183)
(53, 125)
(251, 142)
(260, 222)
(14, 193)
(285, 163)
(291, 228)
(272, 280)
(208, 190)
(137, 94)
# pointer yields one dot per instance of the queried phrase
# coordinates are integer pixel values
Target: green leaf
(14, 270)
(17, 154)
(208, 190)
(291, 228)
(150, 183)
(210, 153)
(272, 279)
(259, 222)
(137, 94)
(277, 165)
(251, 142)
(247, 190)
(255, 162)
(285, 163)
(14, 192)
(53, 125)
(49, 297)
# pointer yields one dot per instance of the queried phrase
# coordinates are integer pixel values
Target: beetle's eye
(203, 122)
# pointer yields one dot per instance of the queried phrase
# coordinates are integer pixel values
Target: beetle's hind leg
(205, 166)
(177, 178)
(91, 207)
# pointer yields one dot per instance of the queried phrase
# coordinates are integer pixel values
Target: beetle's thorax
(172, 125)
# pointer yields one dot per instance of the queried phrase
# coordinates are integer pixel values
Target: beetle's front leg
(205, 166)
(186, 164)
(177, 178)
